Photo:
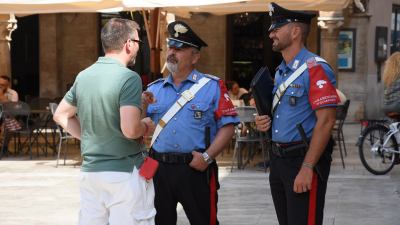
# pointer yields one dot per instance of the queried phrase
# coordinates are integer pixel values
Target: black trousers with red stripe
(196, 191)
(293, 208)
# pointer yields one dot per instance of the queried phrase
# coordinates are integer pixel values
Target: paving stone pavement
(34, 192)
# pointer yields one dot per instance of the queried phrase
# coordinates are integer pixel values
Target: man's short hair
(305, 30)
(116, 32)
(7, 78)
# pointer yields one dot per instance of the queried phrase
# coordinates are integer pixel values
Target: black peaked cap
(182, 36)
(281, 16)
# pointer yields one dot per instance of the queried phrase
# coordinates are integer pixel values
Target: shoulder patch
(156, 81)
(212, 77)
(311, 62)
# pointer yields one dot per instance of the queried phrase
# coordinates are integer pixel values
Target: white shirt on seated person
(237, 103)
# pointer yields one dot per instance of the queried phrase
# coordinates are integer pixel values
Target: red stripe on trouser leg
(312, 206)
(213, 193)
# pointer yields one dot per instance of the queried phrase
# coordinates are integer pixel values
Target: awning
(179, 7)
(261, 6)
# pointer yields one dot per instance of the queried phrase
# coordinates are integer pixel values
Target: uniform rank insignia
(198, 114)
(295, 64)
(311, 62)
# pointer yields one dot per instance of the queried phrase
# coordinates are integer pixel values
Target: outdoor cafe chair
(246, 133)
(44, 125)
(341, 114)
(19, 113)
(64, 136)
(39, 103)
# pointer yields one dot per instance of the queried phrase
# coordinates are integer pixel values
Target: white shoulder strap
(282, 88)
(186, 97)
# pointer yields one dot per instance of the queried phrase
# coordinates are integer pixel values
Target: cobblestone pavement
(34, 192)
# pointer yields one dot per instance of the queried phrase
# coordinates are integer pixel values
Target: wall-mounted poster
(346, 49)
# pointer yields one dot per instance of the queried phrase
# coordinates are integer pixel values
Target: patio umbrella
(179, 7)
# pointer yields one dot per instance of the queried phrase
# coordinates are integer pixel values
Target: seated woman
(391, 75)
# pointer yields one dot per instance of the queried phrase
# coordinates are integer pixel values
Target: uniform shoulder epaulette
(156, 81)
(212, 77)
(314, 61)
(311, 62)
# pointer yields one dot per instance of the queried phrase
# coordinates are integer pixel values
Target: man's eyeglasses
(138, 41)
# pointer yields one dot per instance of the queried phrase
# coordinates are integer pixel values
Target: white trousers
(116, 198)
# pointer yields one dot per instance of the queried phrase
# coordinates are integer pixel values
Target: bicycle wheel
(377, 158)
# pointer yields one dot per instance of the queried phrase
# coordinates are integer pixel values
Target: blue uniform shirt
(294, 107)
(185, 132)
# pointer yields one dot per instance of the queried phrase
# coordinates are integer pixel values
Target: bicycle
(378, 147)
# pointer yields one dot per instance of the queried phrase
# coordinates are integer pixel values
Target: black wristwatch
(207, 158)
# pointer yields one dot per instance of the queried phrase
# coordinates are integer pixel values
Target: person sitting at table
(11, 94)
(8, 95)
(234, 91)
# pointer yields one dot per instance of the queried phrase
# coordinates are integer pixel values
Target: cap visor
(276, 25)
(173, 43)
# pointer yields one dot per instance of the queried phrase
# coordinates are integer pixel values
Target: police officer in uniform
(187, 170)
(299, 173)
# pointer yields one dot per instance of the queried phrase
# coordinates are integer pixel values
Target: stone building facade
(362, 86)
(69, 42)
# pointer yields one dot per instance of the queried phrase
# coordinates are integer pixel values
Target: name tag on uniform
(198, 114)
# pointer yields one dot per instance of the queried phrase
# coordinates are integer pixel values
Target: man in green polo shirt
(103, 109)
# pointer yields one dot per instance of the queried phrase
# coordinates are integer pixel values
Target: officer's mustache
(172, 59)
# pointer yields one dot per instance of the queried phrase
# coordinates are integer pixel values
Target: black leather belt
(171, 157)
(287, 150)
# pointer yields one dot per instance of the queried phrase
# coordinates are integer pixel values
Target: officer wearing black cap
(281, 16)
(182, 36)
(303, 115)
(195, 120)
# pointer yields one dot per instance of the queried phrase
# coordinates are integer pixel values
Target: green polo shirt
(98, 92)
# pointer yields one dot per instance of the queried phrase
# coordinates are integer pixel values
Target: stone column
(329, 22)
(8, 24)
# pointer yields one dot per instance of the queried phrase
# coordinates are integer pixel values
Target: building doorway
(249, 47)
(25, 57)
